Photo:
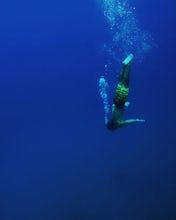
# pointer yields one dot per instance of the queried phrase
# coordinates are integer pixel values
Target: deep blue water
(57, 160)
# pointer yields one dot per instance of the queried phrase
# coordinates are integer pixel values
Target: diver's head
(111, 125)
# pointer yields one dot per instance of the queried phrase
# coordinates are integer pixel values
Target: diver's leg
(122, 90)
(125, 73)
(125, 76)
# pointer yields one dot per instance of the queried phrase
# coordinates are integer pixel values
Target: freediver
(120, 98)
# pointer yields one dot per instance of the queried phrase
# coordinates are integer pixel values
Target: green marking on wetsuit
(122, 91)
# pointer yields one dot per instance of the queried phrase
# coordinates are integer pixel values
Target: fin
(128, 59)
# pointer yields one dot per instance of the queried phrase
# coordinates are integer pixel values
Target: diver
(120, 98)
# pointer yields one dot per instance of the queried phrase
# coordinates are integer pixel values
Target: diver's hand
(113, 108)
(127, 104)
(139, 120)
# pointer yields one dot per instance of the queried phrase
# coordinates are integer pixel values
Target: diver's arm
(131, 121)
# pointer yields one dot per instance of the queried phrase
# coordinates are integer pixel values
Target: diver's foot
(128, 59)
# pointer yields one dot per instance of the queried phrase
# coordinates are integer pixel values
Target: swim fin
(128, 59)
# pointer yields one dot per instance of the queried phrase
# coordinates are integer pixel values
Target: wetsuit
(120, 97)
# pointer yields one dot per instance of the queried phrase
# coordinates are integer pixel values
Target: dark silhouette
(120, 98)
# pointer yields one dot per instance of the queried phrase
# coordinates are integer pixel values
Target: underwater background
(57, 159)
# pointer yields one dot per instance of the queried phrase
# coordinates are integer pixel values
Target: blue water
(57, 160)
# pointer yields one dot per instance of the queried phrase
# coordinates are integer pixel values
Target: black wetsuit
(119, 99)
